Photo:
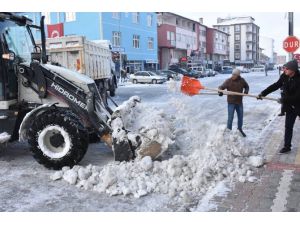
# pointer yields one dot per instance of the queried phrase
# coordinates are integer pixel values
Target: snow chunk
(57, 175)
(84, 173)
(4, 137)
(256, 161)
(146, 163)
(70, 176)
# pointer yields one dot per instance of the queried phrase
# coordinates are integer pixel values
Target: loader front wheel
(58, 138)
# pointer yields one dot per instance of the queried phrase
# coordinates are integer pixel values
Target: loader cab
(16, 46)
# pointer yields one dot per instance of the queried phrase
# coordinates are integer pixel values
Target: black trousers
(290, 118)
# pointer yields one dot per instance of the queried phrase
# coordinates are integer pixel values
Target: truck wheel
(154, 81)
(58, 138)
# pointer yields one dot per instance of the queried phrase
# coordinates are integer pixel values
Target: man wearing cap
(289, 82)
(235, 102)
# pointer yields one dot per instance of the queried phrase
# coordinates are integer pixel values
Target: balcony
(172, 43)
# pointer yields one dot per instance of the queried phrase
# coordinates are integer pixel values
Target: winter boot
(285, 150)
(242, 132)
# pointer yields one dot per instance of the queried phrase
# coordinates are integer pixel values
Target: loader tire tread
(72, 125)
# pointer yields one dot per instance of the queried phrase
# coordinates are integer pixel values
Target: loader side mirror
(9, 56)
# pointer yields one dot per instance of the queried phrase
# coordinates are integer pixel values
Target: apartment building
(281, 59)
(243, 39)
(177, 38)
(217, 47)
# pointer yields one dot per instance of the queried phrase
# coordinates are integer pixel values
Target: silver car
(146, 77)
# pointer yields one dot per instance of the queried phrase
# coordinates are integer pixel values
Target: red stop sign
(291, 44)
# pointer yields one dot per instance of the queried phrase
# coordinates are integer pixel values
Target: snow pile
(206, 153)
(4, 137)
(182, 177)
(151, 124)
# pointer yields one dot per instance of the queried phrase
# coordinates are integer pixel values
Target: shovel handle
(238, 93)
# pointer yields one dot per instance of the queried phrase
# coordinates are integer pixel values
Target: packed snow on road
(200, 157)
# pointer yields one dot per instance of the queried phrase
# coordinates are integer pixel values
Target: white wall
(268, 47)
(231, 44)
(243, 42)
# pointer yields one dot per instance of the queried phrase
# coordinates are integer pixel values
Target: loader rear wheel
(58, 138)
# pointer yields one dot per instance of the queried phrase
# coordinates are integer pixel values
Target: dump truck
(93, 59)
(52, 107)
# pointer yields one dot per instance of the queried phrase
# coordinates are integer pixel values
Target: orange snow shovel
(192, 86)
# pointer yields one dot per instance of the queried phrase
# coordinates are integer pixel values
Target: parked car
(243, 69)
(169, 74)
(210, 73)
(184, 72)
(227, 70)
(260, 68)
(146, 77)
(194, 74)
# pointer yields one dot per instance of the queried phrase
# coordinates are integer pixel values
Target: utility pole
(291, 29)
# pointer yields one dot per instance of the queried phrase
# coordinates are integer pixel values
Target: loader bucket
(126, 144)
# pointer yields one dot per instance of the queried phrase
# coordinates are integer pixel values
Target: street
(198, 122)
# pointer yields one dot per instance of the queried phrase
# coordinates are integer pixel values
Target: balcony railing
(172, 43)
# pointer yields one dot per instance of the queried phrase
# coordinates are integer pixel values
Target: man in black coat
(289, 81)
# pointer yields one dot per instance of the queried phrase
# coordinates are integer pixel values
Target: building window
(70, 16)
(116, 39)
(135, 17)
(47, 17)
(194, 27)
(149, 20)
(177, 21)
(150, 43)
(237, 28)
(136, 41)
(237, 37)
(116, 15)
(237, 47)
(178, 37)
(237, 55)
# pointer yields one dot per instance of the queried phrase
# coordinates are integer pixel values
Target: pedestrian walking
(123, 76)
(289, 81)
(266, 70)
(235, 102)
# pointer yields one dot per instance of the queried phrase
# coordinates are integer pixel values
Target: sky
(269, 15)
(272, 24)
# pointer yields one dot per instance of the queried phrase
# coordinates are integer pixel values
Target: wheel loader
(53, 108)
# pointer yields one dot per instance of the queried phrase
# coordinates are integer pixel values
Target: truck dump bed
(78, 54)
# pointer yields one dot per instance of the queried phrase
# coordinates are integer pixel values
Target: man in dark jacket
(235, 102)
(289, 81)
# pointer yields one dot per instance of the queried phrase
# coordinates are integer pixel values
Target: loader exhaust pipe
(43, 36)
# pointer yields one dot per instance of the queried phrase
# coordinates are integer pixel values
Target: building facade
(217, 47)
(133, 34)
(177, 38)
(281, 59)
(243, 40)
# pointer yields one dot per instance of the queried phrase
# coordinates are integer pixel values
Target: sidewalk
(278, 185)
